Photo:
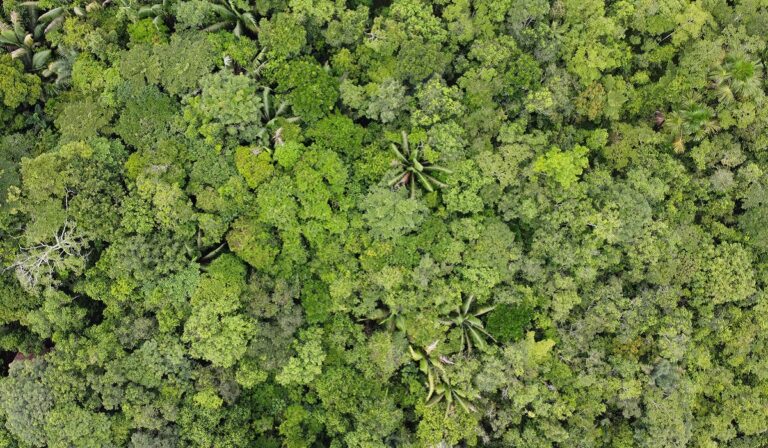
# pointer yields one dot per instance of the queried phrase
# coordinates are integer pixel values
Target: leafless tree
(37, 264)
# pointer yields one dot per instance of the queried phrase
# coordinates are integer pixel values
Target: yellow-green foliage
(16, 89)
(254, 164)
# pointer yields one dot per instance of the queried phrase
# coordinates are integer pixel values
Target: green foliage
(253, 243)
(17, 90)
(390, 215)
(148, 31)
(17, 87)
(147, 118)
(507, 323)
(215, 331)
(288, 154)
(26, 401)
(564, 166)
(306, 365)
(182, 63)
(95, 118)
(283, 36)
(227, 107)
(231, 108)
(338, 133)
(382, 102)
(254, 165)
(75, 426)
(308, 87)
(243, 52)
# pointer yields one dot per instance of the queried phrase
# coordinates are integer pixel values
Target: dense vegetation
(406, 223)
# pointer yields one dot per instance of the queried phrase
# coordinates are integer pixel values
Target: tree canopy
(384, 223)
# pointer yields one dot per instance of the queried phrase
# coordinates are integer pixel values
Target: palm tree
(62, 67)
(230, 15)
(392, 318)
(438, 383)
(24, 37)
(472, 328)
(159, 12)
(451, 395)
(738, 76)
(694, 122)
(413, 169)
(272, 115)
